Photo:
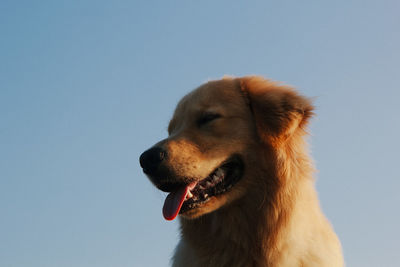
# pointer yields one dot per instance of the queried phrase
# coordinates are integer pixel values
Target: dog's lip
(169, 187)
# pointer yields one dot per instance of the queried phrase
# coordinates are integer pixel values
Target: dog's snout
(152, 158)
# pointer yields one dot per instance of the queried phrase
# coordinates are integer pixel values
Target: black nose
(151, 159)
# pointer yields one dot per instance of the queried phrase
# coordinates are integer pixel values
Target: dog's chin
(213, 204)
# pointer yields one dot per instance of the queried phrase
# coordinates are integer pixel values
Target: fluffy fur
(271, 217)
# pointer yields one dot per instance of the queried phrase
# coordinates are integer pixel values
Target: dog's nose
(152, 158)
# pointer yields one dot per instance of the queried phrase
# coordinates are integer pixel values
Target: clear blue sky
(86, 86)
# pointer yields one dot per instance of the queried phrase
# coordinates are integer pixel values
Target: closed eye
(207, 117)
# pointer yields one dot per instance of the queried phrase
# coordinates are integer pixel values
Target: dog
(238, 174)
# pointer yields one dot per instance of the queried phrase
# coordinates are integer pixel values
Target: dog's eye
(207, 117)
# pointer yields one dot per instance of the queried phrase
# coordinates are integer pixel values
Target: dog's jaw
(200, 197)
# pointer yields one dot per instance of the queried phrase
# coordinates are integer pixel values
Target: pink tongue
(174, 201)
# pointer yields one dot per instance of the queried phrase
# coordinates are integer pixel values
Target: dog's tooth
(219, 172)
(216, 178)
(189, 195)
(205, 195)
(209, 184)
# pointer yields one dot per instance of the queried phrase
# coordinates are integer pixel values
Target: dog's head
(218, 137)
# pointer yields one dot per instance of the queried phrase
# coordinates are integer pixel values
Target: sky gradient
(86, 86)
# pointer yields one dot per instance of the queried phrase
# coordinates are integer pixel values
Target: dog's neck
(243, 227)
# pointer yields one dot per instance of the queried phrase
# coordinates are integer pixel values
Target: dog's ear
(279, 111)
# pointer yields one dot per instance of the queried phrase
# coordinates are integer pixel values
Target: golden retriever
(238, 174)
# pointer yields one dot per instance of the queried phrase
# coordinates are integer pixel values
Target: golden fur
(271, 217)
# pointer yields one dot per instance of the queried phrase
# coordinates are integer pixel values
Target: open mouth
(190, 196)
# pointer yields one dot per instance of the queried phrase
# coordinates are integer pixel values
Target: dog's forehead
(211, 95)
